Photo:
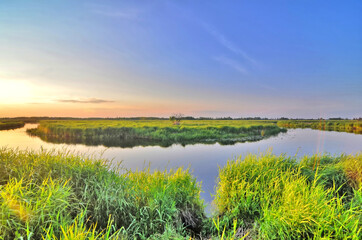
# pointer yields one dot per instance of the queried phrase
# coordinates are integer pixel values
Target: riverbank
(59, 194)
(129, 133)
(351, 126)
(8, 125)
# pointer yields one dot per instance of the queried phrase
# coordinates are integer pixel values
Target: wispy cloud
(88, 100)
(107, 11)
(232, 63)
(228, 44)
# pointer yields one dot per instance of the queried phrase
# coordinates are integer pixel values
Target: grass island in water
(129, 133)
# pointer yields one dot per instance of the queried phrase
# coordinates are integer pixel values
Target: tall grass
(58, 194)
(275, 197)
(61, 195)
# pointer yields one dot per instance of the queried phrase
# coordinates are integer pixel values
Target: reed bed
(62, 195)
(278, 197)
(352, 126)
(59, 195)
(8, 125)
(154, 132)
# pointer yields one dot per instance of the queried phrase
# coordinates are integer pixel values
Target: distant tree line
(179, 117)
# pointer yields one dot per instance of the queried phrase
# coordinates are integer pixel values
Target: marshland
(155, 132)
(180, 120)
(71, 191)
(7, 125)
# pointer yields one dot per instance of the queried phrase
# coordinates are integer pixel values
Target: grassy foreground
(7, 125)
(58, 195)
(352, 126)
(129, 133)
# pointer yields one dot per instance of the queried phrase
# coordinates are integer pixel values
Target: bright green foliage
(353, 126)
(352, 166)
(27, 207)
(79, 231)
(58, 195)
(246, 185)
(7, 125)
(65, 196)
(128, 133)
(275, 197)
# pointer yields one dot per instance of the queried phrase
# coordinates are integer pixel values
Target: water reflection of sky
(203, 160)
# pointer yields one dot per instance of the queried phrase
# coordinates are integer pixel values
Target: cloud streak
(232, 63)
(228, 44)
(129, 14)
(88, 100)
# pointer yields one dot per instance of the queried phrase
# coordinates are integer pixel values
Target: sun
(12, 92)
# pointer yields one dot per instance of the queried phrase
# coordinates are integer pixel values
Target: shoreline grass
(47, 194)
(351, 126)
(61, 195)
(9, 125)
(278, 197)
(127, 133)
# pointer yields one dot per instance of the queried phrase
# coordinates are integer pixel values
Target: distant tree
(176, 118)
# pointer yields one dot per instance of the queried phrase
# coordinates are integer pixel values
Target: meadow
(352, 126)
(128, 133)
(8, 125)
(62, 195)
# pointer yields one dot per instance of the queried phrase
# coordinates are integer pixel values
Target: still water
(203, 160)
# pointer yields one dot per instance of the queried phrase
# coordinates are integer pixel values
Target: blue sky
(201, 58)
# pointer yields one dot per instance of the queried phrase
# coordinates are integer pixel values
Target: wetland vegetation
(8, 125)
(129, 133)
(352, 126)
(61, 195)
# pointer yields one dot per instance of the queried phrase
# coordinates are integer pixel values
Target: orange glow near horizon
(84, 110)
(15, 92)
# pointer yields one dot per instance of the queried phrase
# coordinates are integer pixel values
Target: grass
(58, 195)
(61, 195)
(277, 197)
(129, 133)
(352, 126)
(8, 125)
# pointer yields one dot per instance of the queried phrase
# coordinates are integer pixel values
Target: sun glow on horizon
(15, 92)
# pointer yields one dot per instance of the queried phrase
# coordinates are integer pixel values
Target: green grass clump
(129, 133)
(58, 195)
(27, 207)
(276, 197)
(7, 125)
(246, 185)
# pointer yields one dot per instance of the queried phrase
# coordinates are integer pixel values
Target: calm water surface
(203, 160)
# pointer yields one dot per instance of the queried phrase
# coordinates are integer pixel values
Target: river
(203, 160)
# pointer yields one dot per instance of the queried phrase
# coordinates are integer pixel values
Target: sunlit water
(203, 160)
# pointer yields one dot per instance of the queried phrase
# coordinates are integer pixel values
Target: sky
(300, 58)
